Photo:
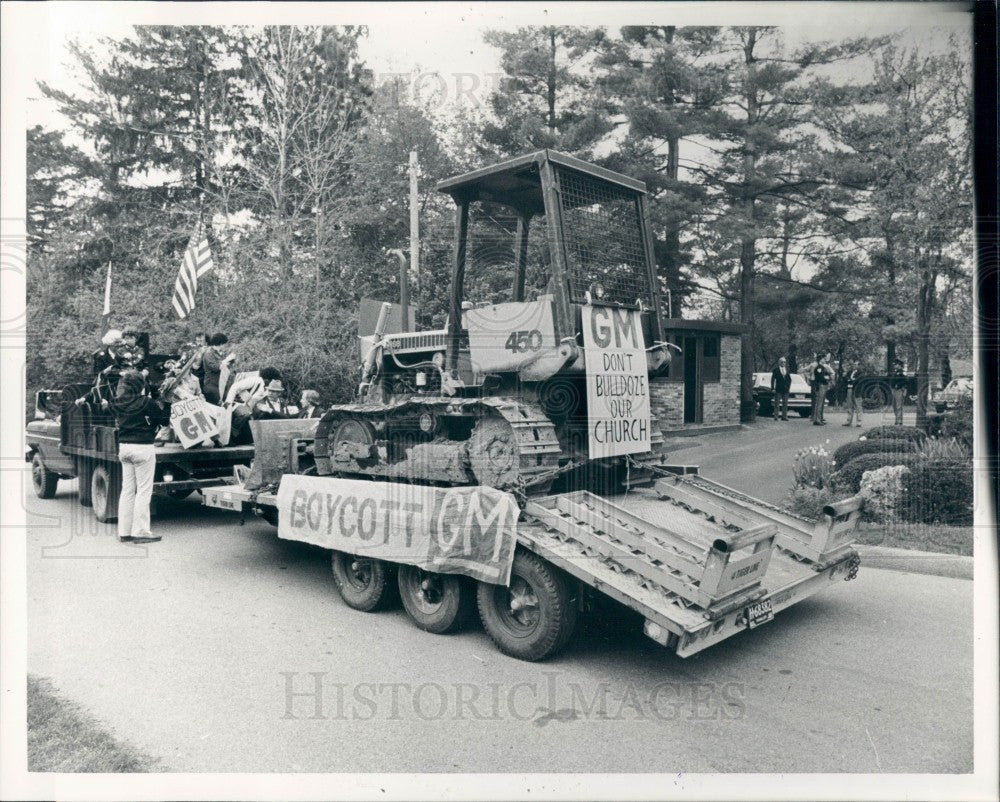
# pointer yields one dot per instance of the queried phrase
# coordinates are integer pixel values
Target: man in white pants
(138, 418)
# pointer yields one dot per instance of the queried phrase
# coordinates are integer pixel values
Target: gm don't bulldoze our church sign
(617, 382)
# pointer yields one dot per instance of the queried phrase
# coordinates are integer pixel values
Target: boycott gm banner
(459, 530)
(618, 417)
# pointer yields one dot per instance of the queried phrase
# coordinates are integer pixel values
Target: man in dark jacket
(138, 418)
(781, 385)
(822, 374)
(853, 401)
(309, 405)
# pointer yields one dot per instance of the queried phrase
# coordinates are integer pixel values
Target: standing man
(821, 379)
(781, 385)
(309, 405)
(897, 383)
(853, 402)
(213, 358)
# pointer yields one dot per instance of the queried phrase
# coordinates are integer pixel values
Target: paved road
(758, 459)
(186, 648)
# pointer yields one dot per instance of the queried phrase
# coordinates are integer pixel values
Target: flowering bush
(847, 479)
(882, 490)
(856, 448)
(812, 467)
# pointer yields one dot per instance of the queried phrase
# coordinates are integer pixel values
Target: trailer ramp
(818, 541)
(696, 579)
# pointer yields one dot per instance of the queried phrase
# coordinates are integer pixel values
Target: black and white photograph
(448, 400)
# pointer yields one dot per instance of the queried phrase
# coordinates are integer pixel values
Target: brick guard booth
(702, 389)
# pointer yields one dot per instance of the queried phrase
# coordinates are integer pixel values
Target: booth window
(710, 358)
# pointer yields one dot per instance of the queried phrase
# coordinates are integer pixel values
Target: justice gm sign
(461, 530)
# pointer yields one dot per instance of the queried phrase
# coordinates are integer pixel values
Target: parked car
(959, 389)
(799, 397)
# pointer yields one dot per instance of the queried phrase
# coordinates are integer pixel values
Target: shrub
(895, 433)
(952, 450)
(882, 490)
(856, 448)
(938, 491)
(958, 423)
(812, 467)
(809, 501)
(848, 477)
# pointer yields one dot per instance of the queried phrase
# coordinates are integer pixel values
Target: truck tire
(436, 603)
(534, 617)
(42, 479)
(363, 582)
(105, 487)
(804, 413)
(270, 514)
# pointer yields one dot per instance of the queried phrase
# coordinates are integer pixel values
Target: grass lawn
(63, 738)
(922, 537)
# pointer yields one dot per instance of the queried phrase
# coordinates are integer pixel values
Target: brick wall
(666, 399)
(721, 405)
(722, 399)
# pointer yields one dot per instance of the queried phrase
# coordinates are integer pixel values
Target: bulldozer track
(532, 434)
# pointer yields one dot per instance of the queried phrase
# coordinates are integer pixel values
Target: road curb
(955, 566)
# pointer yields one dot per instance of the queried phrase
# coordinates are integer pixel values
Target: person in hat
(272, 406)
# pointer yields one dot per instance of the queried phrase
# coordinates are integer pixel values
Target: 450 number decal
(521, 342)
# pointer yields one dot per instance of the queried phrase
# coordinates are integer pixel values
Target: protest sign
(460, 530)
(618, 417)
(193, 421)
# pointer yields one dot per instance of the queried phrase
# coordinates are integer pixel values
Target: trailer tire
(436, 603)
(270, 514)
(43, 480)
(362, 582)
(105, 488)
(534, 617)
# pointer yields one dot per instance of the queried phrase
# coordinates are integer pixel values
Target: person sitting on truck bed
(137, 417)
(309, 404)
(272, 406)
(242, 397)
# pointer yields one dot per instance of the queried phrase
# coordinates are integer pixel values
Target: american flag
(197, 262)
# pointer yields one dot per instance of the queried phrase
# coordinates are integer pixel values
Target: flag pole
(106, 313)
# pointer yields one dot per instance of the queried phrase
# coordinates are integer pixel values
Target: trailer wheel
(534, 617)
(436, 603)
(269, 514)
(42, 479)
(363, 582)
(105, 487)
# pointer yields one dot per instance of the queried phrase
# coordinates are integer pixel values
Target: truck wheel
(804, 413)
(270, 514)
(437, 603)
(42, 479)
(535, 616)
(363, 582)
(105, 487)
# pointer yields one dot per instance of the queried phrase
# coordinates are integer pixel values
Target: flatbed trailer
(699, 562)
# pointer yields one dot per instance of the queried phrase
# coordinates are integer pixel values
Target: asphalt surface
(758, 459)
(188, 649)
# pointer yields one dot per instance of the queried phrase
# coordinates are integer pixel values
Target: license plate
(758, 613)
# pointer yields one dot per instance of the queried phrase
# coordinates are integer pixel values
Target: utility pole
(414, 228)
